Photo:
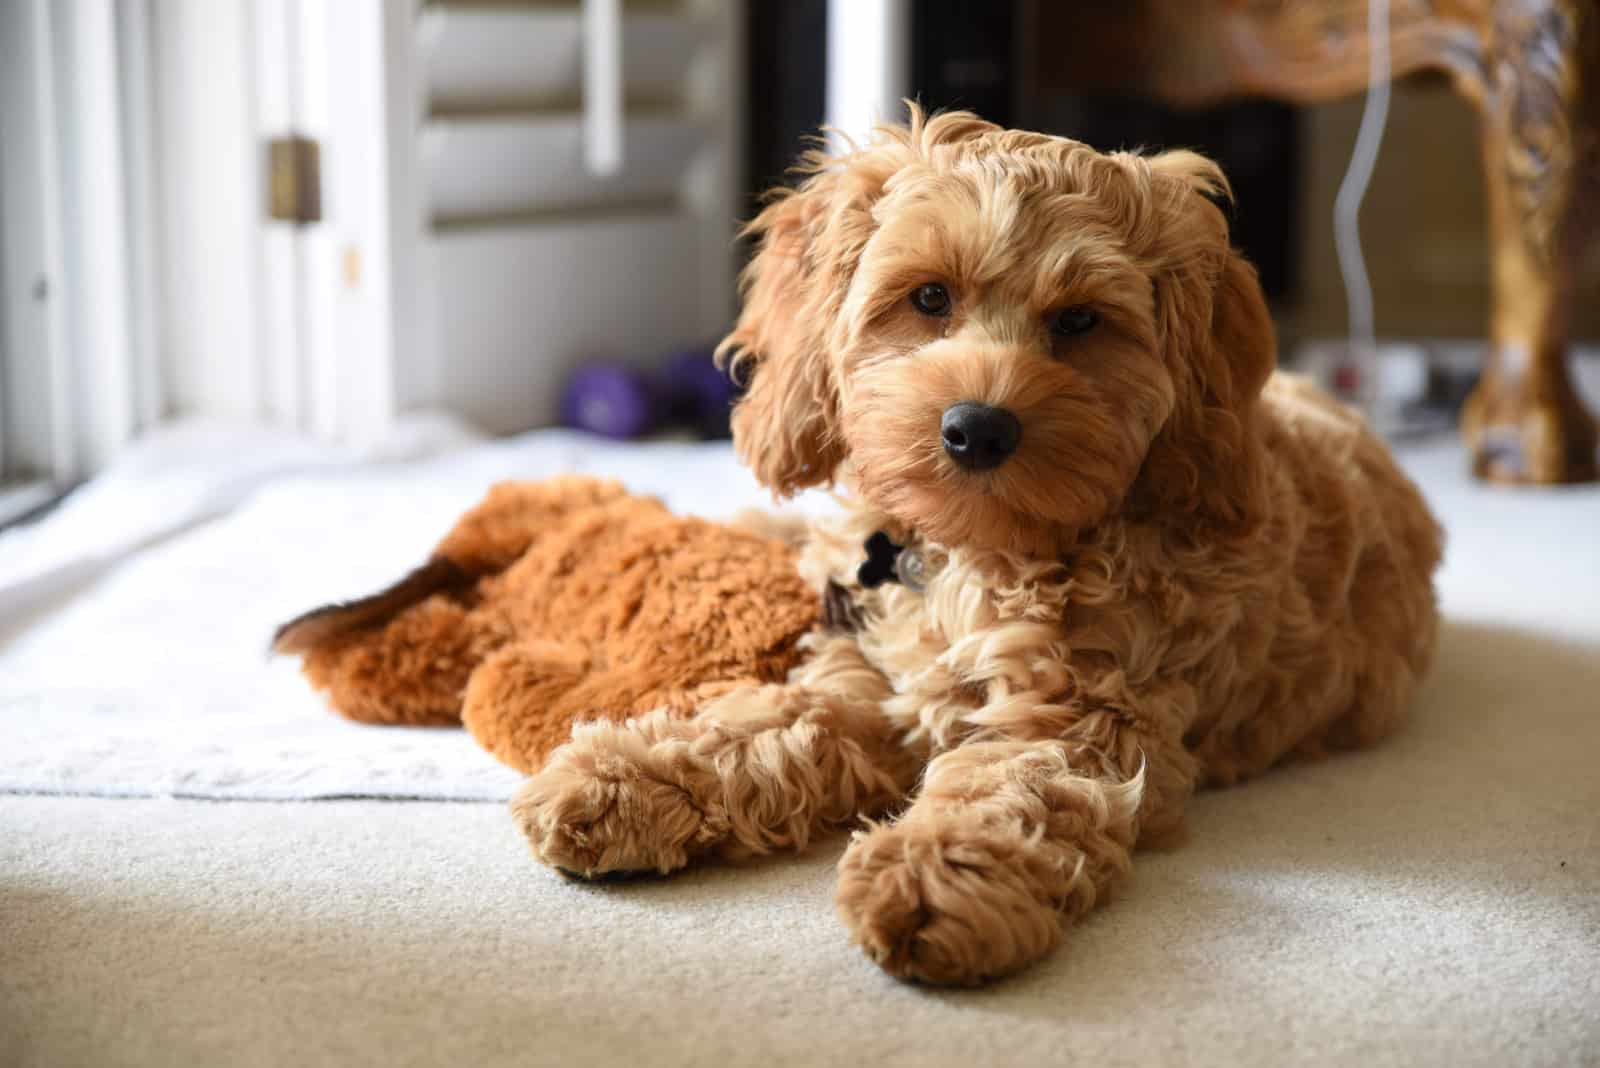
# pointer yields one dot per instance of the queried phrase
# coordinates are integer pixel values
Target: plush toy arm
(507, 522)
(759, 769)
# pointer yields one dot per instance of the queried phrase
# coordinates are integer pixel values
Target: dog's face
(1000, 338)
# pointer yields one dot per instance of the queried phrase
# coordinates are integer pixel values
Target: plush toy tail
(485, 541)
(316, 627)
(404, 655)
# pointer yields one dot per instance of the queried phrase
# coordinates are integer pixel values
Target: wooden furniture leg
(1541, 142)
(1532, 67)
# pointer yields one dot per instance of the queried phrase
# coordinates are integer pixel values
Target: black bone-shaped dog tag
(878, 567)
(890, 562)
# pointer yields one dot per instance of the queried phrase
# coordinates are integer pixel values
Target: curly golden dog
(1095, 553)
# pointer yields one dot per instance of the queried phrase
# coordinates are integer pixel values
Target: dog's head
(1000, 338)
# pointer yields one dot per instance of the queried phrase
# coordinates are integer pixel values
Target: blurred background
(322, 215)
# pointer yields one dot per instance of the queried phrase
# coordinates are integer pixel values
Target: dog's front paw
(950, 903)
(609, 802)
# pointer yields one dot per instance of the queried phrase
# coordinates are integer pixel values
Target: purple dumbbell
(611, 400)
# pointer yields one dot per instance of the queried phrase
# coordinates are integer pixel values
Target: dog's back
(1353, 622)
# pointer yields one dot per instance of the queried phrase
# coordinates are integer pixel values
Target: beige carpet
(1433, 901)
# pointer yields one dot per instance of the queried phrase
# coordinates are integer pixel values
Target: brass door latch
(294, 180)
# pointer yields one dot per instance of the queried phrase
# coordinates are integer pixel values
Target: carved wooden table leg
(1541, 112)
(1533, 69)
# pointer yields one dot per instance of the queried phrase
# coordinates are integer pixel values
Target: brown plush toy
(561, 601)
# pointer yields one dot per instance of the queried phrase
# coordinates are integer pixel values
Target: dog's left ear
(1219, 344)
(785, 426)
(808, 242)
(1244, 347)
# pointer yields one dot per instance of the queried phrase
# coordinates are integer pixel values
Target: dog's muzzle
(977, 436)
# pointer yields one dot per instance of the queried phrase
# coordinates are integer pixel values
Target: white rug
(131, 669)
(149, 676)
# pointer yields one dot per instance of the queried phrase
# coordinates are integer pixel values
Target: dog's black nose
(977, 436)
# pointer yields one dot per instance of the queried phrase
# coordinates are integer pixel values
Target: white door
(507, 190)
(265, 318)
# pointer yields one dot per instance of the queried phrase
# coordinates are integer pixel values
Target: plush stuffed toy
(558, 601)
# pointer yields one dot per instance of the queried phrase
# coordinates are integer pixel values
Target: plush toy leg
(1005, 845)
(760, 769)
(522, 701)
(503, 526)
(507, 698)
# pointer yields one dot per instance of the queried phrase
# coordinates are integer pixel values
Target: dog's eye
(931, 299)
(1070, 322)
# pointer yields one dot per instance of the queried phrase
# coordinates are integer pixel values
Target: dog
(1096, 552)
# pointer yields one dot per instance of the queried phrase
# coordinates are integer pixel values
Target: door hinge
(294, 180)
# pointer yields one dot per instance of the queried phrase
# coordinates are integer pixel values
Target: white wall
(350, 260)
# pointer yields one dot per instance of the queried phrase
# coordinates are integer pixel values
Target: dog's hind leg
(760, 769)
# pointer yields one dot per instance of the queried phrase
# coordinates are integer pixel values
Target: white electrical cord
(1363, 345)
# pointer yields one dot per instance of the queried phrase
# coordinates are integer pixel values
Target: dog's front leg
(1008, 842)
(757, 770)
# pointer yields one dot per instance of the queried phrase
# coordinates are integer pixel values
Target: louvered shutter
(534, 255)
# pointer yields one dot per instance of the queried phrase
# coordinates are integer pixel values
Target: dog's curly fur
(1189, 570)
